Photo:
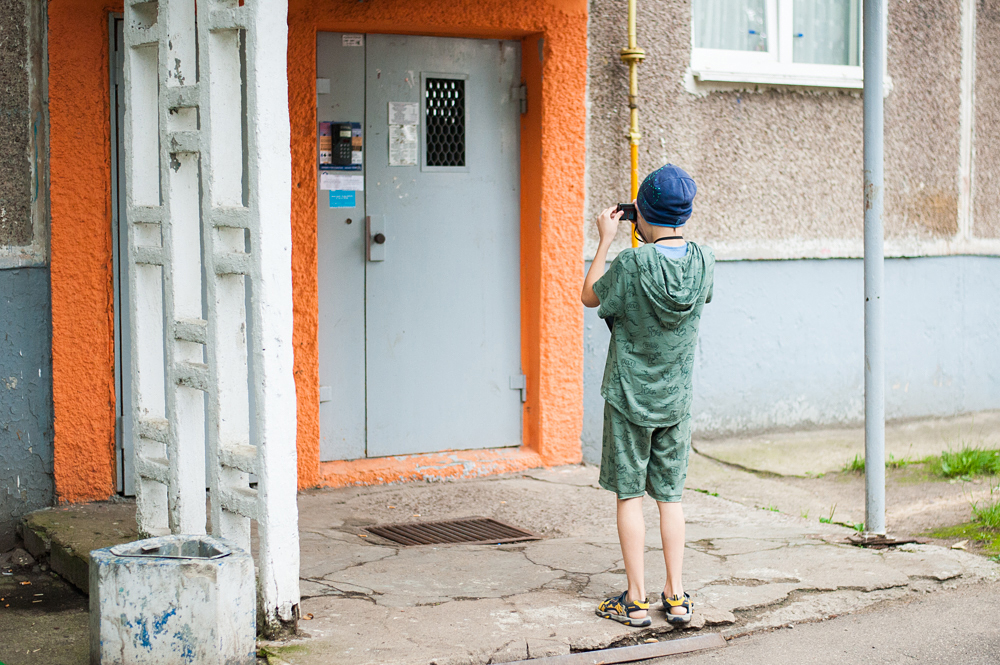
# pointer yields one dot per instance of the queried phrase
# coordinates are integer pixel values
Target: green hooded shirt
(656, 303)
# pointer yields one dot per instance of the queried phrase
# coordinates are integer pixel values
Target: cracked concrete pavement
(372, 601)
(902, 631)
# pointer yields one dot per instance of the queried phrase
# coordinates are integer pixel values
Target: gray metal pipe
(874, 65)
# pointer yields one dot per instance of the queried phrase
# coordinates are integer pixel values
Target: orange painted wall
(532, 58)
(552, 202)
(552, 168)
(83, 361)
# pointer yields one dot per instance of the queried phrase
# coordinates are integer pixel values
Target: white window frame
(775, 66)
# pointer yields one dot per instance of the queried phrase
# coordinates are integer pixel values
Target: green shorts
(636, 459)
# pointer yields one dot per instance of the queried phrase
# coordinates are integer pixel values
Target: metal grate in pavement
(472, 530)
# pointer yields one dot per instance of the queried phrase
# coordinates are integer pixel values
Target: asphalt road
(960, 627)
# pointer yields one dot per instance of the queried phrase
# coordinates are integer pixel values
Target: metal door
(441, 291)
(443, 307)
(340, 66)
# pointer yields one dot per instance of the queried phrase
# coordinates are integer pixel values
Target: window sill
(849, 81)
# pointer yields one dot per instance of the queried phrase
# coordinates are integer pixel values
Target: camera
(629, 210)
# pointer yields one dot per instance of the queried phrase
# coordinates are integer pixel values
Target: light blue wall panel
(26, 481)
(782, 344)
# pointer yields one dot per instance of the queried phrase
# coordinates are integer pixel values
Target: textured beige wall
(15, 125)
(779, 169)
(922, 118)
(986, 191)
(24, 183)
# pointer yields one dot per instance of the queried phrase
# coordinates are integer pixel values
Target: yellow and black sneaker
(677, 601)
(619, 609)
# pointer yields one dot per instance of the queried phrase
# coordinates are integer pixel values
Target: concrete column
(209, 210)
(270, 177)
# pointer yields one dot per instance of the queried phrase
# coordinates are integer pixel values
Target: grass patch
(985, 527)
(893, 463)
(705, 492)
(967, 462)
(964, 463)
(988, 515)
(987, 512)
(859, 526)
(857, 465)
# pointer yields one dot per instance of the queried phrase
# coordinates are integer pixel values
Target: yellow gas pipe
(632, 56)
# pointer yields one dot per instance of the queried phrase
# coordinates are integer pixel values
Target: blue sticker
(340, 198)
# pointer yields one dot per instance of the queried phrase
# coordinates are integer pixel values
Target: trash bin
(172, 600)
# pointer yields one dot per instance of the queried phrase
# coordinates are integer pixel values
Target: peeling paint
(164, 611)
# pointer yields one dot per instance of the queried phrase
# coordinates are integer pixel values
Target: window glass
(826, 31)
(735, 25)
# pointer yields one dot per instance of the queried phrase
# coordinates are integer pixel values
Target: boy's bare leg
(632, 536)
(672, 534)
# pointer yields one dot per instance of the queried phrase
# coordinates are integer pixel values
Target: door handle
(375, 237)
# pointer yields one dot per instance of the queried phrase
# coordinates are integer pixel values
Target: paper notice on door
(403, 113)
(402, 145)
(352, 40)
(341, 182)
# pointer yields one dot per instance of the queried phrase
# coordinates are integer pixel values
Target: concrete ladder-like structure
(208, 187)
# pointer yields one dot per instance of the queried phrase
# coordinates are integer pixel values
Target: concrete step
(65, 535)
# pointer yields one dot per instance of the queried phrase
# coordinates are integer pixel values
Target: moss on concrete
(988, 539)
(274, 654)
(67, 535)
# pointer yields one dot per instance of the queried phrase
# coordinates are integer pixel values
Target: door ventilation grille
(473, 530)
(445, 121)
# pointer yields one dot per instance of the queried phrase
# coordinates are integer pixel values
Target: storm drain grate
(473, 530)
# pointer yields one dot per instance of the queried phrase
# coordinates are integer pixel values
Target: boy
(653, 295)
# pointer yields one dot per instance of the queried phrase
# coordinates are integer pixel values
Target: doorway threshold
(456, 464)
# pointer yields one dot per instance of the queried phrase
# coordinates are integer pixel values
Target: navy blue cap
(665, 196)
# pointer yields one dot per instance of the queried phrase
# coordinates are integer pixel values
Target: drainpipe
(632, 56)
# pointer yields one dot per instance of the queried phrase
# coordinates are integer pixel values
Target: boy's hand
(607, 224)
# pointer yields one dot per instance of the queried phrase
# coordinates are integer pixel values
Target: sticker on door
(340, 198)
